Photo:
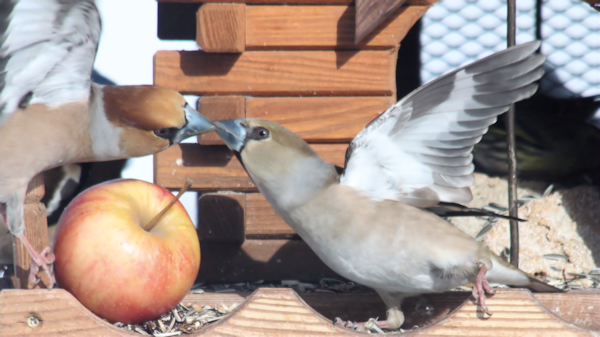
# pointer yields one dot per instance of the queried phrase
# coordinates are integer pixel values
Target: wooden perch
(278, 73)
(282, 312)
(315, 119)
(216, 167)
(36, 230)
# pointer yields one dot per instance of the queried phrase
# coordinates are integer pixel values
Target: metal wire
(512, 157)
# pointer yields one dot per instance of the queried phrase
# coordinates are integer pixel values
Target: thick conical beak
(196, 124)
(232, 132)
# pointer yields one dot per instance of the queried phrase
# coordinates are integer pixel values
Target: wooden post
(221, 28)
(220, 107)
(36, 230)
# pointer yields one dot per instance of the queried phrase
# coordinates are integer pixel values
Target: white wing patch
(46, 52)
(419, 150)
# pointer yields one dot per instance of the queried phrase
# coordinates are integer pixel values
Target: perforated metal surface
(456, 32)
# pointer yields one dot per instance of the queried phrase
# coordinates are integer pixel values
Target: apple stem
(156, 219)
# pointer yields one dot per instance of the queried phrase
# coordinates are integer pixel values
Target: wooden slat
(234, 217)
(215, 168)
(61, 314)
(221, 28)
(320, 119)
(581, 307)
(322, 27)
(36, 231)
(370, 14)
(221, 217)
(315, 119)
(262, 222)
(220, 107)
(258, 260)
(299, 2)
(278, 73)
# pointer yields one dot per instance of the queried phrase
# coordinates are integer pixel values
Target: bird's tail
(540, 286)
(505, 273)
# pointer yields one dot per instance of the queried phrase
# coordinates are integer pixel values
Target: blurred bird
(367, 224)
(51, 114)
(554, 140)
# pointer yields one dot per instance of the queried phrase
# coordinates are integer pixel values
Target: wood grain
(315, 119)
(299, 2)
(214, 167)
(262, 222)
(36, 231)
(218, 108)
(573, 307)
(322, 27)
(221, 28)
(320, 119)
(278, 73)
(59, 312)
(282, 312)
(370, 14)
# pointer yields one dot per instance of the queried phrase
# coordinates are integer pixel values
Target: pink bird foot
(43, 259)
(481, 285)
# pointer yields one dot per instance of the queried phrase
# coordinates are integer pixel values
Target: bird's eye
(261, 133)
(165, 132)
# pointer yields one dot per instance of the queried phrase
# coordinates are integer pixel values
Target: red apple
(113, 266)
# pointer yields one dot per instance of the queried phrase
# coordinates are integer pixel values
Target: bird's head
(278, 161)
(151, 118)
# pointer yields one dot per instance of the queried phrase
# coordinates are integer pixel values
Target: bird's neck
(306, 178)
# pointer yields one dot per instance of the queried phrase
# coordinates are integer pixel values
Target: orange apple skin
(113, 266)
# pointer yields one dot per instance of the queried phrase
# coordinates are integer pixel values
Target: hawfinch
(51, 114)
(368, 223)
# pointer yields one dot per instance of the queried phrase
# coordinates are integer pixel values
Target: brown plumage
(51, 114)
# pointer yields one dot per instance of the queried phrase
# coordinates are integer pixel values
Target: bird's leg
(43, 259)
(394, 320)
(481, 285)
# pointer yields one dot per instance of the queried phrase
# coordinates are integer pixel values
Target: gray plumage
(365, 224)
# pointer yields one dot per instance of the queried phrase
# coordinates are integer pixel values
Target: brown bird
(51, 114)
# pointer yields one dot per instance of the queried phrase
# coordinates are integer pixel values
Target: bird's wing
(419, 150)
(47, 50)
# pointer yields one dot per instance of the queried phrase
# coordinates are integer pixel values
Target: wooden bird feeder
(323, 69)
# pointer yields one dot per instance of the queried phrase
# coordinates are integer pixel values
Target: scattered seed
(140, 331)
(556, 257)
(161, 326)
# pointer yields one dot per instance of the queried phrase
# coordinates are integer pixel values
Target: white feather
(419, 150)
(48, 50)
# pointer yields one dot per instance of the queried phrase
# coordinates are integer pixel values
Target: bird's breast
(40, 138)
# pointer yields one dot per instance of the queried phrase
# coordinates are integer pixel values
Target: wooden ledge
(281, 311)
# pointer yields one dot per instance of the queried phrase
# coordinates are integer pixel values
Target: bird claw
(481, 287)
(43, 259)
(372, 325)
(344, 324)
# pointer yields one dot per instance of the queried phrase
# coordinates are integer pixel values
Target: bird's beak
(196, 124)
(232, 132)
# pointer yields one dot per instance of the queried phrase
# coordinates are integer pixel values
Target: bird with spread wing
(369, 223)
(52, 114)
